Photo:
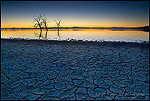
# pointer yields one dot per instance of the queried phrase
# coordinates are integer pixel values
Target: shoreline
(81, 42)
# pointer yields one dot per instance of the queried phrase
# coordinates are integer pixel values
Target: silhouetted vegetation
(45, 23)
(58, 25)
(38, 21)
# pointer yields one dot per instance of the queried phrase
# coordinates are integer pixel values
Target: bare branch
(38, 22)
(58, 22)
(44, 22)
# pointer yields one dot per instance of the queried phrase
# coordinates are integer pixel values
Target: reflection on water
(46, 34)
(40, 35)
(58, 34)
(78, 34)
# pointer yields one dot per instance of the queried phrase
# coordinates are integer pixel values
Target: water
(78, 34)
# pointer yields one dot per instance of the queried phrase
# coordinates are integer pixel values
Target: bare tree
(58, 23)
(45, 23)
(38, 21)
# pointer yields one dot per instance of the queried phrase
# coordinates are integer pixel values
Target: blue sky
(76, 13)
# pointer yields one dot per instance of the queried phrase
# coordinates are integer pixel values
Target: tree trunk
(40, 34)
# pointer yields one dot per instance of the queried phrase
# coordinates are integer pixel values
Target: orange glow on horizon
(28, 23)
(67, 26)
(76, 23)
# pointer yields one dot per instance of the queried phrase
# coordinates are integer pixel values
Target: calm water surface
(78, 34)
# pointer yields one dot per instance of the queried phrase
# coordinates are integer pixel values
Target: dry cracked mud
(39, 71)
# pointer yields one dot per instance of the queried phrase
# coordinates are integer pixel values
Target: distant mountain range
(145, 28)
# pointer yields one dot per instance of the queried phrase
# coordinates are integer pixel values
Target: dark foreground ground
(39, 70)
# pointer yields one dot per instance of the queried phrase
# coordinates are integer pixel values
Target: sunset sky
(76, 13)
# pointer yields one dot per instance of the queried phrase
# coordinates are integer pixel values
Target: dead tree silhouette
(58, 25)
(38, 23)
(45, 23)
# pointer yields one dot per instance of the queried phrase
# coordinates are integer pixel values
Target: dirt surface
(39, 70)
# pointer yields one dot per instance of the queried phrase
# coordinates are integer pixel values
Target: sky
(20, 14)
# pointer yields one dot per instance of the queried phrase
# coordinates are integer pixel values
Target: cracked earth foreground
(44, 71)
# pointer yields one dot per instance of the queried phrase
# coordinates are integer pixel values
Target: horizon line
(73, 27)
